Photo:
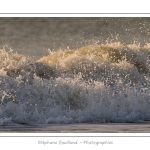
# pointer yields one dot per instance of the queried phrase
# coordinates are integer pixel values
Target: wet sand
(79, 128)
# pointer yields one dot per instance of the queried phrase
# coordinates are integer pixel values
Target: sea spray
(95, 83)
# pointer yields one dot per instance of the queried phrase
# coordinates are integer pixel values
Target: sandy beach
(79, 128)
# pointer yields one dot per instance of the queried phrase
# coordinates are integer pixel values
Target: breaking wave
(95, 83)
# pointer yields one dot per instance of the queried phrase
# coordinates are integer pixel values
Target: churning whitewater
(92, 84)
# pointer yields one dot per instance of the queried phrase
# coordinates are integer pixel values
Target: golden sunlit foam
(108, 53)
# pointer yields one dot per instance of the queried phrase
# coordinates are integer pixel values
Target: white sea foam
(95, 83)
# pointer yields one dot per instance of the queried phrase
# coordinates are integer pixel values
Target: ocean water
(74, 70)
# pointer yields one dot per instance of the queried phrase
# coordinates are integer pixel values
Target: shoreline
(143, 127)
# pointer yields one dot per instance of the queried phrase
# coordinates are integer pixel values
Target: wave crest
(95, 83)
